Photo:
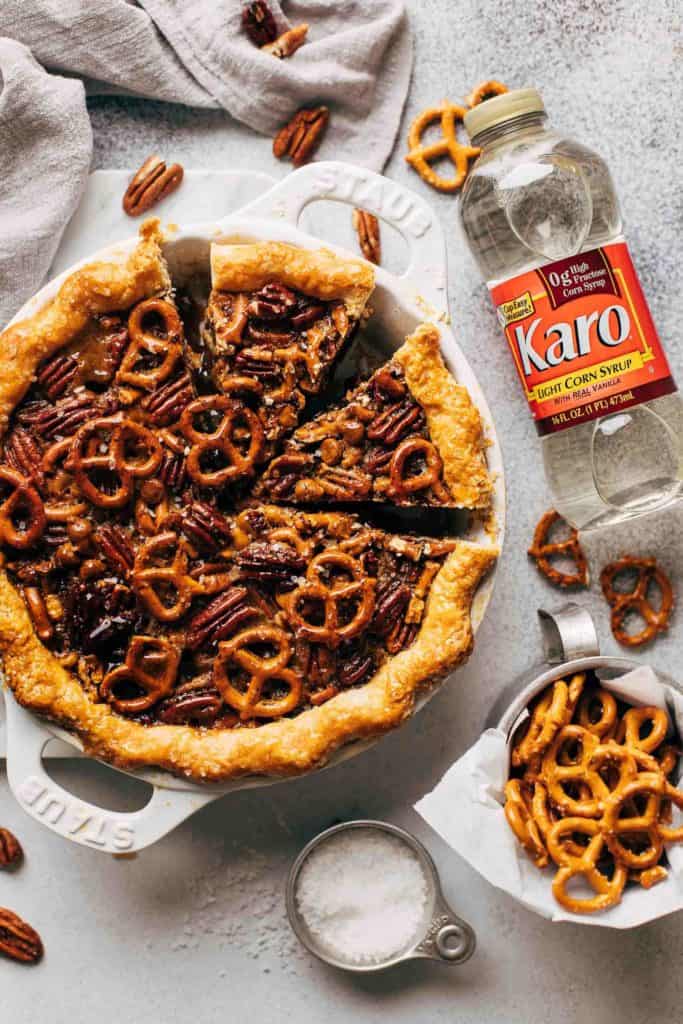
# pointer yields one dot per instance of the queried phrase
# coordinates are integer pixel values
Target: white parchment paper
(466, 809)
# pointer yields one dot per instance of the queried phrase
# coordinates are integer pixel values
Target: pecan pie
(150, 600)
(408, 436)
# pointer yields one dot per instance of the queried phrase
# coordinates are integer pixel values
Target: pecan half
(205, 526)
(56, 374)
(392, 601)
(152, 183)
(173, 470)
(267, 373)
(258, 22)
(300, 138)
(395, 422)
(165, 405)
(18, 940)
(270, 562)
(197, 702)
(23, 454)
(288, 43)
(10, 849)
(273, 302)
(117, 548)
(221, 617)
(62, 419)
(354, 669)
(367, 229)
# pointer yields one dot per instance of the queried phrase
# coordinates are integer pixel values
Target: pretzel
(146, 345)
(654, 787)
(251, 702)
(630, 727)
(23, 503)
(235, 418)
(169, 577)
(330, 595)
(460, 154)
(604, 724)
(623, 602)
(485, 91)
(542, 551)
(119, 469)
(404, 484)
(560, 771)
(522, 822)
(607, 891)
(152, 665)
(553, 710)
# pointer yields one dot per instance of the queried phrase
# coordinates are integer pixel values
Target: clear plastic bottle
(542, 219)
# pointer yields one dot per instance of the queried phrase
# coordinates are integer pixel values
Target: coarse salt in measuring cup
(363, 895)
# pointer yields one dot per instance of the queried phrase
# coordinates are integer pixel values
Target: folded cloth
(357, 60)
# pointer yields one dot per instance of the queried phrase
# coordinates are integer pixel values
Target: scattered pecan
(273, 302)
(367, 229)
(205, 526)
(288, 43)
(401, 636)
(56, 374)
(344, 484)
(220, 617)
(38, 612)
(377, 461)
(264, 369)
(306, 315)
(62, 419)
(152, 183)
(258, 22)
(270, 562)
(23, 454)
(116, 546)
(300, 138)
(395, 422)
(10, 849)
(18, 940)
(165, 405)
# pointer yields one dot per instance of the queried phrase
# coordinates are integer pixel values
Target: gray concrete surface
(194, 929)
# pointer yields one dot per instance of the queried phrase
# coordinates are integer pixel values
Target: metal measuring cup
(442, 935)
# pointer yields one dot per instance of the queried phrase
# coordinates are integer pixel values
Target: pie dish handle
(425, 276)
(72, 817)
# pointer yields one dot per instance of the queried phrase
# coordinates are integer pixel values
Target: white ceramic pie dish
(399, 305)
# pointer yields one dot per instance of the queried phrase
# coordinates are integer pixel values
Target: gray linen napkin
(357, 60)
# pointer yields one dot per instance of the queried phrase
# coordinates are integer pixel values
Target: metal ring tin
(446, 937)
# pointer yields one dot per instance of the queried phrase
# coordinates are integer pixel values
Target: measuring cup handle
(74, 818)
(449, 939)
(356, 186)
(568, 633)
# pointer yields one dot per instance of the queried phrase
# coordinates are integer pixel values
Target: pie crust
(289, 745)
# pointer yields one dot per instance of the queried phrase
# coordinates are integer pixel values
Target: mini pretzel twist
(101, 447)
(636, 599)
(154, 583)
(22, 513)
(403, 483)
(646, 824)
(552, 712)
(607, 891)
(485, 91)
(316, 592)
(542, 551)
(146, 345)
(560, 771)
(522, 822)
(237, 423)
(631, 726)
(605, 722)
(419, 155)
(261, 670)
(152, 665)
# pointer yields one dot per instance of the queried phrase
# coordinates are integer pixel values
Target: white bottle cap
(502, 108)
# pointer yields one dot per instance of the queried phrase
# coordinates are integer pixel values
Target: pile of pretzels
(590, 791)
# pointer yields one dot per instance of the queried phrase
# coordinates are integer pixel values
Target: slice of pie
(410, 435)
(278, 318)
(144, 608)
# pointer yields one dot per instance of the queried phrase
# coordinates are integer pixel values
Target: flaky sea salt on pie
(159, 597)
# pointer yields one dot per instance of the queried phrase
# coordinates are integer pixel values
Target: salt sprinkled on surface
(362, 893)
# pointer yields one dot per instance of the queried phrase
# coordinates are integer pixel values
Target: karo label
(582, 338)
